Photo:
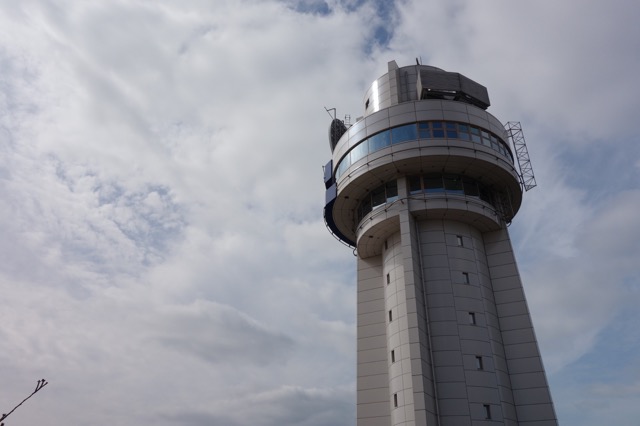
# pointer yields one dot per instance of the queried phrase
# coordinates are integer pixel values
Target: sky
(164, 257)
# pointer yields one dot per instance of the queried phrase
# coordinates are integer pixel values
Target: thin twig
(41, 383)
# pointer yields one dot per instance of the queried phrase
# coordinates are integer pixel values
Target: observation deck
(426, 140)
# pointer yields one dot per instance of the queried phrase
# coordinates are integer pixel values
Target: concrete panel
(449, 374)
(476, 347)
(473, 333)
(373, 395)
(454, 407)
(445, 343)
(503, 271)
(372, 318)
(481, 378)
(483, 395)
(370, 295)
(370, 307)
(441, 300)
(371, 330)
(499, 259)
(378, 409)
(455, 421)
(514, 323)
(444, 328)
(528, 380)
(449, 390)
(537, 412)
(442, 314)
(513, 308)
(372, 355)
(513, 337)
(374, 382)
(532, 396)
(525, 365)
(447, 359)
(507, 296)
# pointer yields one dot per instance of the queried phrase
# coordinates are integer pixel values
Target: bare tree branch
(41, 383)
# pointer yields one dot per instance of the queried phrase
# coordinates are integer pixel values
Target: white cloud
(161, 193)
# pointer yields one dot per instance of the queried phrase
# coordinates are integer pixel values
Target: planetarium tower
(423, 187)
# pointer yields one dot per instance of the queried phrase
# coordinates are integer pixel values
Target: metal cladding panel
(439, 80)
(330, 199)
(331, 194)
(328, 174)
(473, 89)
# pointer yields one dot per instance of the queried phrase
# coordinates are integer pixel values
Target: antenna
(331, 109)
(527, 178)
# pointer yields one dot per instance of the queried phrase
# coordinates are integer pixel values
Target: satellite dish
(337, 128)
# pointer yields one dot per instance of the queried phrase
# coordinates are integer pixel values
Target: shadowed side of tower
(423, 186)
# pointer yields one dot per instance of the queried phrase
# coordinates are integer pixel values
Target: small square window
(487, 411)
(472, 318)
(465, 277)
(393, 356)
(395, 400)
(459, 240)
(479, 363)
(388, 279)
(390, 316)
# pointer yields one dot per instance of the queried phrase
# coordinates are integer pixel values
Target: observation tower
(423, 187)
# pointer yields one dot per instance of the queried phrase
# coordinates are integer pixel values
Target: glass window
(475, 131)
(343, 166)
(452, 131)
(436, 124)
(433, 183)
(470, 187)
(378, 197)
(438, 133)
(365, 207)
(359, 152)
(487, 411)
(404, 133)
(463, 135)
(414, 185)
(476, 138)
(484, 194)
(453, 184)
(392, 191)
(463, 128)
(379, 141)
(423, 129)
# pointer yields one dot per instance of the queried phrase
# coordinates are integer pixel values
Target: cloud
(217, 333)
(161, 194)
